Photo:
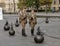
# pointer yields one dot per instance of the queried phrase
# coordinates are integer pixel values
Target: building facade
(56, 5)
(2, 3)
(9, 5)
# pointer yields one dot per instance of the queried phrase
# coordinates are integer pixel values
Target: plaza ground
(51, 29)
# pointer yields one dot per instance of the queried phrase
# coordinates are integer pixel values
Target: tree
(48, 3)
(33, 3)
(30, 3)
(21, 4)
(44, 2)
(37, 4)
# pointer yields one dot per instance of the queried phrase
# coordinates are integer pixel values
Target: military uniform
(23, 21)
(32, 21)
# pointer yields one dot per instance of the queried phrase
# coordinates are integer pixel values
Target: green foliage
(21, 4)
(37, 4)
(32, 3)
(44, 2)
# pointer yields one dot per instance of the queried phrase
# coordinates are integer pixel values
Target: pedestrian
(53, 10)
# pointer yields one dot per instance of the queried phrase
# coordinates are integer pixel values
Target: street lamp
(46, 3)
(46, 6)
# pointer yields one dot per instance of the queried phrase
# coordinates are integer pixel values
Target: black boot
(23, 32)
(32, 32)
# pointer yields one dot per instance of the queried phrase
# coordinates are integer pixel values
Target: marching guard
(23, 21)
(32, 21)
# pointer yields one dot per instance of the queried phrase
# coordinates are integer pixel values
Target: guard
(23, 21)
(32, 21)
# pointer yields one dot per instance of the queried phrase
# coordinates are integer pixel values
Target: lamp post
(46, 3)
(47, 21)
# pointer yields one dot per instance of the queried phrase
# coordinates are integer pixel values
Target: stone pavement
(51, 29)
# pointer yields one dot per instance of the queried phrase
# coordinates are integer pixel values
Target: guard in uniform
(23, 21)
(32, 21)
